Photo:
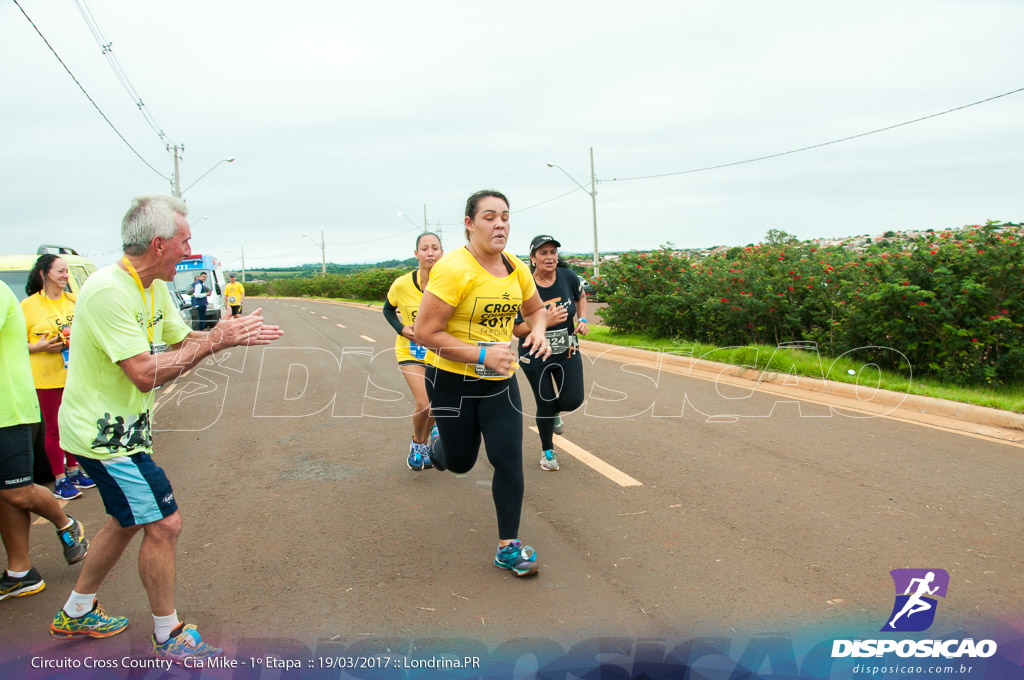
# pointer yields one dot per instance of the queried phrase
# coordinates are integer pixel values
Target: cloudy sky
(341, 115)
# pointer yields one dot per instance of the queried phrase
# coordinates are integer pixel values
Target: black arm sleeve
(391, 314)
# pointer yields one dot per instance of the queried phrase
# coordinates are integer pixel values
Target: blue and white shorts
(134, 489)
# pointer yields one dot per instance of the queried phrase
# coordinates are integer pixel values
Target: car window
(15, 280)
(78, 277)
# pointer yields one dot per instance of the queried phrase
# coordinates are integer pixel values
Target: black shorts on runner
(16, 456)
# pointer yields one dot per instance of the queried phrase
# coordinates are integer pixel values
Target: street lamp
(229, 159)
(401, 214)
(323, 252)
(200, 220)
(593, 200)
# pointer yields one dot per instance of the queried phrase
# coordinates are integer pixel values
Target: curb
(982, 420)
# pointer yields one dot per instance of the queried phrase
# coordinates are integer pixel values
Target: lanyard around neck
(142, 291)
(61, 313)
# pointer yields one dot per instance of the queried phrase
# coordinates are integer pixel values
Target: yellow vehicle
(14, 269)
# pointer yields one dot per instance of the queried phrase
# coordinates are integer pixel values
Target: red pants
(49, 404)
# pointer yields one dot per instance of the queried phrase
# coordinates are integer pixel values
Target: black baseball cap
(538, 241)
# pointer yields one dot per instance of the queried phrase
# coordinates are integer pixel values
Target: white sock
(79, 604)
(17, 574)
(71, 521)
(163, 625)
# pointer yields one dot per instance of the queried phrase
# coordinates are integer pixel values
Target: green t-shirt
(103, 414)
(19, 404)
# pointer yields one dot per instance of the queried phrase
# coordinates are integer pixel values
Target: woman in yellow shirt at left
(49, 310)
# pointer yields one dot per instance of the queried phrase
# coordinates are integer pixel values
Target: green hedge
(369, 284)
(952, 304)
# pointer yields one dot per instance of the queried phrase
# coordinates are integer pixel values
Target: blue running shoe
(94, 624)
(425, 454)
(431, 454)
(185, 643)
(520, 559)
(80, 480)
(65, 490)
(415, 459)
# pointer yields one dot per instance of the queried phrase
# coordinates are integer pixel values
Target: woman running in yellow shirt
(404, 298)
(466, 319)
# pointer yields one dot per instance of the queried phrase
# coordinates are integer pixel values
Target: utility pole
(176, 183)
(323, 255)
(243, 264)
(593, 201)
(424, 217)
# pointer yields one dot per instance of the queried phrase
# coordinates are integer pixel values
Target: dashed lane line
(367, 338)
(595, 463)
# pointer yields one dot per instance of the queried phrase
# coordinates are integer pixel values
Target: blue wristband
(483, 353)
(583, 320)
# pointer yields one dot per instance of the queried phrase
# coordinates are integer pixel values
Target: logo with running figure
(916, 592)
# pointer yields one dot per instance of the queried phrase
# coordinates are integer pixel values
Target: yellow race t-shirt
(233, 293)
(46, 318)
(406, 295)
(485, 305)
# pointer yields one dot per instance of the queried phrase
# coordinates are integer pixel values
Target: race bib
(485, 372)
(559, 340)
(417, 351)
(231, 299)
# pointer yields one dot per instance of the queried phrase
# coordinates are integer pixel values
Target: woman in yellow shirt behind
(49, 310)
(465, 319)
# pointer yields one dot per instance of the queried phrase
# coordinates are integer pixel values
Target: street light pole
(323, 252)
(593, 201)
(229, 159)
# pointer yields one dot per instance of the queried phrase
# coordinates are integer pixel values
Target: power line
(115, 64)
(374, 240)
(547, 201)
(815, 146)
(91, 101)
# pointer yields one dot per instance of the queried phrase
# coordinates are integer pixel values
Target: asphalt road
(683, 508)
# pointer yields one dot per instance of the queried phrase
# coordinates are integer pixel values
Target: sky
(341, 115)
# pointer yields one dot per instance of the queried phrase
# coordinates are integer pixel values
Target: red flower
(923, 304)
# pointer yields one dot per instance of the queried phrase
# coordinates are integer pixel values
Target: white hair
(149, 217)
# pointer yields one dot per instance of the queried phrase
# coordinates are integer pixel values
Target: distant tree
(777, 237)
(889, 234)
(733, 253)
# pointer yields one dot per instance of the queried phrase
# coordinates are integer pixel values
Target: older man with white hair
(128, 340)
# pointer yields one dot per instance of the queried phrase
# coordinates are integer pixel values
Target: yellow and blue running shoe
(94, 624)
(185, 643)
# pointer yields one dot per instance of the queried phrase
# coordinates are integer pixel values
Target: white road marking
(367, 339)
(323, 317)
(598, 465)
(339, 325)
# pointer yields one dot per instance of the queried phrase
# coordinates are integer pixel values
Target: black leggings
(465, 409)
(567, 376)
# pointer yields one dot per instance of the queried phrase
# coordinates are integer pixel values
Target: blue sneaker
(65, 490)
(185, 643)
(425, 455)
(415, 460)
(520, 559)
(431, 456)
(80, 480)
